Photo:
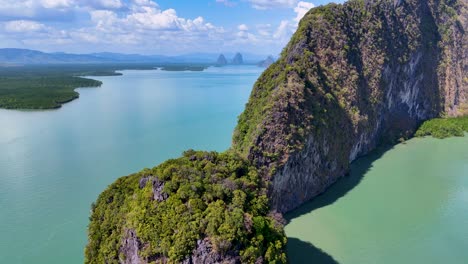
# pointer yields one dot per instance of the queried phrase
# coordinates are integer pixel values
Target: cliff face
(221, 60)
(352, 76)
(238, 59)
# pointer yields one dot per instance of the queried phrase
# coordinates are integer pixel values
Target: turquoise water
(53, 164)
(407, 205)
(404, 205)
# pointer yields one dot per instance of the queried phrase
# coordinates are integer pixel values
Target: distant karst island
(221, 60)
(238, 59)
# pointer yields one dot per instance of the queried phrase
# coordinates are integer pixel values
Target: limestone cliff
(352, 76)
(238, 59)
(221, 60)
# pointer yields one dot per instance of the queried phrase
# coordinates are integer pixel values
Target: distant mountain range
(12, 56)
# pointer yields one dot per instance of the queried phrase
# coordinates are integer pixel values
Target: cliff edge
(352, 76)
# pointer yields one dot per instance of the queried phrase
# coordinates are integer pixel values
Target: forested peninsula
(50, 86)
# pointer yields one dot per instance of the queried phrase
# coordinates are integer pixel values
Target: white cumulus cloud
(111, 3)
(23, 26)
(57, 3)
(102, 4)
(140, 26)
(243, 27)
(268, 4)
(283, 30)
(301, 9)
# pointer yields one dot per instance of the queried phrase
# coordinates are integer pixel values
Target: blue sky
(167, 27)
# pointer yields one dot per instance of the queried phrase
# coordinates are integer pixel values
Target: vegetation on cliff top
(202, 195)
(328, 84)
(444, 127)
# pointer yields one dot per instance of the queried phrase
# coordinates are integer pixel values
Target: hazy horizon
(226, 53)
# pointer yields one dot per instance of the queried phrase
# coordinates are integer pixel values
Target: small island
(238, 59)
(222, 61)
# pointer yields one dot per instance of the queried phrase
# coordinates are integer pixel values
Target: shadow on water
(304, 252)
(358, 169)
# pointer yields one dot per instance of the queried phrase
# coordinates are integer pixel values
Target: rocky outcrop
(130, 248)
(221, 60)
(353, 76)
(238, 59)
(205, 253)
(158, 193)
(157, 187)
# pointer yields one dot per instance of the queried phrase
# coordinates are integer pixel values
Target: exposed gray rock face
(158, 193)
(205, 254)
(413, 91)
(292, 184)
(130, 248)
(157, 185)
(453, 76)
(143, 182)
(352, 76)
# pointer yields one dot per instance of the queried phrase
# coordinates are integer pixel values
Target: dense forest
(444, 127)
(40, 92)
(204, 203)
